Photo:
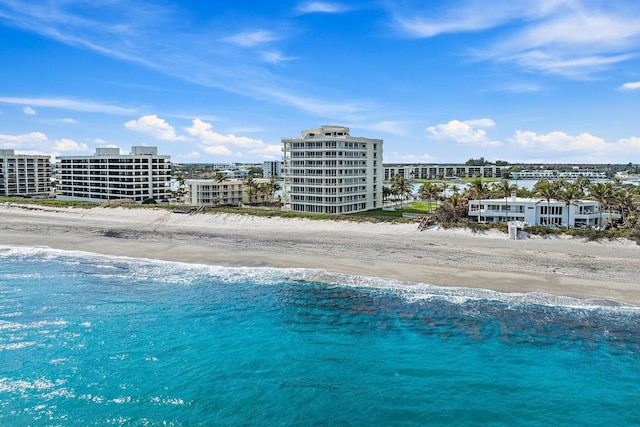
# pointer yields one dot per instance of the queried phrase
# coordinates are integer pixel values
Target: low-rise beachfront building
(209, 192)
(411, 172)
(533, 211)
(552, 174)
(141, 175)
(329, 171)
(24, 174)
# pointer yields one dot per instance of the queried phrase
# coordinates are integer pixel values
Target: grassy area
(49, 202)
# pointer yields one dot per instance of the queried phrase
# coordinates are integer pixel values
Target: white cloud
(68, 104)
(40, 142)
(68, 120)
(204, 132)
(252, 38)
(574, 39)
(321, 7)
(582, 147)
(29, 111)
(395, 157)
(218, 150)
(68, 145)
(630, 86)
(191, 155)
(275, 57)
(467, 132)
(558, 141)
(154, 126)
(219, 144)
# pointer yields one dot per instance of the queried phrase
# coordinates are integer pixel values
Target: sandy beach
(557, 265)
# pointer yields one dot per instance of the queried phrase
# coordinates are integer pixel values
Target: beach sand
(561, 266)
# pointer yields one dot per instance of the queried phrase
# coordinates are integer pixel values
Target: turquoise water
(95, 340)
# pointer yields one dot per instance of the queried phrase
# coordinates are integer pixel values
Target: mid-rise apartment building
(209, 192)
(24, 175)
(140, 175)
(271, 168)
(329, 171)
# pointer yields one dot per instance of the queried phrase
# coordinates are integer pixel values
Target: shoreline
(561, 266)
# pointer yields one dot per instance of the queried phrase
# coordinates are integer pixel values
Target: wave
(171, 272)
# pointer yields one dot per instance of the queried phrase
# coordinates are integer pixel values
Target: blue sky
(224, 81)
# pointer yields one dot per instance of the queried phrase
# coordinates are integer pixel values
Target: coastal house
(329, 171)
(209, 192)
(24, 174)
(140, 175)
(581, 213)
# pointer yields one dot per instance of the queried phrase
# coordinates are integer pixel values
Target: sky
(527, 81)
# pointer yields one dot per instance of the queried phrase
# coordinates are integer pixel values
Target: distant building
(24, 175)
(204, 192)
(582, 213)
(552, 174)
(272, 169)
(411, 172)
(140, 175)
(329, 171)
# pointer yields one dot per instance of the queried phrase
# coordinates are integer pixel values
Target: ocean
(90, 340)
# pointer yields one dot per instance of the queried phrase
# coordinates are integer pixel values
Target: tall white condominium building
(272, 168)
(140, 175)
(24, 175)
(329, 171)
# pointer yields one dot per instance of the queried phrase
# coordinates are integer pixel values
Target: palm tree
(601, 192)
(220, 177)
(251, 185)
(582, 184)
(478, 189)
(400, 187)
(569, 196)
(386, 192)
(428, 191)
(271, 187)
(624, 202)
(504, 188)
(547, 191)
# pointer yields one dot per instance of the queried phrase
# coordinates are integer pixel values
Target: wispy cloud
(29, 111)
(321, 7)
(69, 104)
(575, 39)
(155, 36)
(630, 86)
(275, 57)
(252, 38)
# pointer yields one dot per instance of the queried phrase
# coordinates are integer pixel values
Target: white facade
(551, 174)
(140, 175)
(329, 171)
(210, 192)
(584, 213)
(24, 175)
(411, 172)
(272, 169)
